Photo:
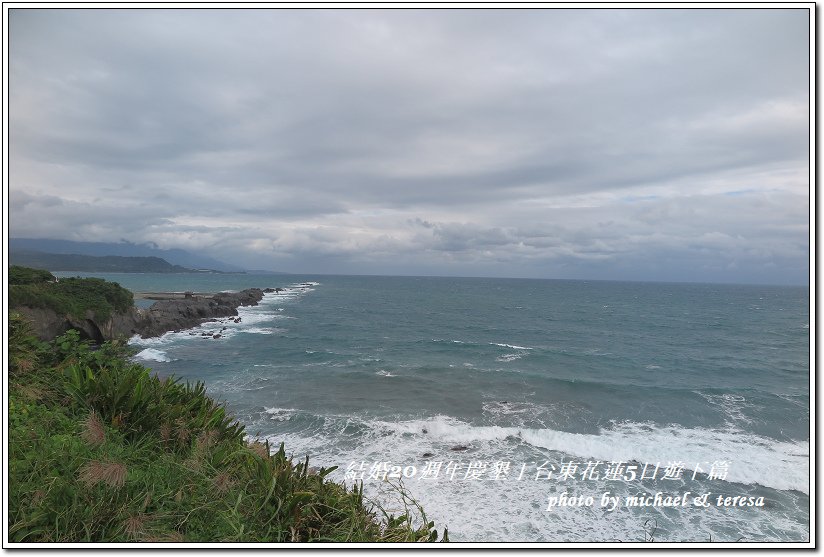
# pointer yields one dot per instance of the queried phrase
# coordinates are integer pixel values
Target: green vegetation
(70, 296)
(102, 451)
(25, 275)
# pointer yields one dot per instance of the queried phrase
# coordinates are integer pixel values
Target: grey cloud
(291, 132)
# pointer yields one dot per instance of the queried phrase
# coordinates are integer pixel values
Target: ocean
(524, 410)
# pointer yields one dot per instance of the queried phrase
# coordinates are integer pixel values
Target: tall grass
(102, 451)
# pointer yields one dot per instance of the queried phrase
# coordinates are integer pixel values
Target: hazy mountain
(123, 249)
(92, 263)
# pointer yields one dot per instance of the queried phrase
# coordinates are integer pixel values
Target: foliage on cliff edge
(67, 296)
(102, 451)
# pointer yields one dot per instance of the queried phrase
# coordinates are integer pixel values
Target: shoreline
(161, 296)
(175, 311)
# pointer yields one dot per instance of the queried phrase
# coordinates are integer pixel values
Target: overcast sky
(601, 144)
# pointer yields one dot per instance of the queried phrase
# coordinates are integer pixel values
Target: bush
(25, 275)
(69, 296)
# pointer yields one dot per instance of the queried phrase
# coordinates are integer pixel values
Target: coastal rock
(121, 325)
(168, 315)
(161, 317)
(47, 324)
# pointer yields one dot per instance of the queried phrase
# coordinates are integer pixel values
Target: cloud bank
(615, 144)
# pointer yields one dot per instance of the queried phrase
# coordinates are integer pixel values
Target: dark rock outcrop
(161, 317)
(121, 325)
(47, 324)
(173, 315)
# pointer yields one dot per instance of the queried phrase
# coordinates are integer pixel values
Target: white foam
(752, 459)
(518, 513)
(732, 406)
(280, 414)
(166, 338)
(261, 330)
(285, 295)
(385, 373)
(513, 346)
(508, 357)
(152, 354)
(521, 411)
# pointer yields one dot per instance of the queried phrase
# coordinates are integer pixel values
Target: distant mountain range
(172, 257)
(92, 263)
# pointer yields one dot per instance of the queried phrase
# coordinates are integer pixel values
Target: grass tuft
(112, 474)
(94, 432)
(135, 526)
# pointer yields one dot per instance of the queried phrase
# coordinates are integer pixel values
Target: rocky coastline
(177, 314)
(172, 312)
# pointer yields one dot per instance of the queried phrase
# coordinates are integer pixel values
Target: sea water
(524, 410)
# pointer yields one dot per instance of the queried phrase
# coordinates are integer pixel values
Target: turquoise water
(502, 381)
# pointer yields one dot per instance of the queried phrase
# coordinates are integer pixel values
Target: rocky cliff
(162, 316)
(173, 315)
(48, 324)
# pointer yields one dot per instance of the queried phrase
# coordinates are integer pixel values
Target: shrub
(26, 275)
(70, 296)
